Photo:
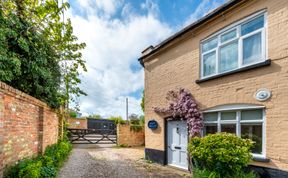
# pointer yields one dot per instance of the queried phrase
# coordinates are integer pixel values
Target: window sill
(261, 64)
(260, 159)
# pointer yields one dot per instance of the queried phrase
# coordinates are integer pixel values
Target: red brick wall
(73, 123)
(27, 126)
(50, 129)
(1, 133)
(126, 136)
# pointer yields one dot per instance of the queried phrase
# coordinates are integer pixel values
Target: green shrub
(243, 174)
(58, 152)
(222, 153)
(43, 166)
(30, 169)
(27, 168)
(136, 128)
(122, 145)
(198, 173)
(117, 120)
(73, 114)
(135, 121)
(48, 172)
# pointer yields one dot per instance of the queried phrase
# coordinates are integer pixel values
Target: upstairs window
(237, 46)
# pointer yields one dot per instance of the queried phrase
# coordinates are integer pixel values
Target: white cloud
(113, 46)
(151, 7)
(104, 8)
(109, 6)
(203, 8)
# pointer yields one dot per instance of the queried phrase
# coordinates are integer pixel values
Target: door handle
(177, 147)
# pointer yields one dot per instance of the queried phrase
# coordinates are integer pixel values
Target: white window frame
(239, 39)
(238, 123)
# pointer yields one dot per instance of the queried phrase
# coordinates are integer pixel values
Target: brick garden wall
(80, 123)
(125, 136)
(27, 126)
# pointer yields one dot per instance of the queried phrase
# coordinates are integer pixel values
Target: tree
(143, 102)
(182, 105)
(117, 119)
(95, 116)
(28, 62)
(142, 120)
(72, 114)
(39, 53)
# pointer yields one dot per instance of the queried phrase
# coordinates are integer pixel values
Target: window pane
(252, 25)
(228, 36)
(228, 57)
(211, 116)
(209, 61)
(210, 129)
(256, 114)
(211, 44)
(228, 115)
(253, 132)
(252, 49)
(228, 128)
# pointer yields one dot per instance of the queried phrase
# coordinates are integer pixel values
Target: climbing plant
(183, 105)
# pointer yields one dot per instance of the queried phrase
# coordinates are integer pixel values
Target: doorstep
(182, 170)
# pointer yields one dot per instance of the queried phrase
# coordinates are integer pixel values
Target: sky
(116, 32)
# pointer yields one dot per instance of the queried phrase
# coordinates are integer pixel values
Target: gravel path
(113, 163)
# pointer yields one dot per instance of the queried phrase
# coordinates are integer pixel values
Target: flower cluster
(182, 105)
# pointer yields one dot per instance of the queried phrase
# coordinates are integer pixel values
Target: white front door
(177, 139)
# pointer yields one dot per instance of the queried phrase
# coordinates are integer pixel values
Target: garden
(42, 166)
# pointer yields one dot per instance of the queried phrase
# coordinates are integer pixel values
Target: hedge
(44, 166)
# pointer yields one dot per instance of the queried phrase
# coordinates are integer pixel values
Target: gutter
(152, 50)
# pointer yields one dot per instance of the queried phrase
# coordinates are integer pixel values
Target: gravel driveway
(112, 162)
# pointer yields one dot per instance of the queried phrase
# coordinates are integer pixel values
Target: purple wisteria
(182, 105)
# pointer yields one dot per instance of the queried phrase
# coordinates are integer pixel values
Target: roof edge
(186, 29)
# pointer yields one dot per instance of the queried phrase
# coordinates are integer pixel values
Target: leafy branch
(182, 105)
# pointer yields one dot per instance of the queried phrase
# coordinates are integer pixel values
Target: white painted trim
(228, 31)
(238, 125)
(218, 122)
(264, 134)
(240, 22)
(258, 156)
(231, 107)
(239, 39)
(251, 121)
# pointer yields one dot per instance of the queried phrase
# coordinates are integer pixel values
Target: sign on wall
(152, 124)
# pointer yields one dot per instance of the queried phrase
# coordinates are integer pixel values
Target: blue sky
(115, 32)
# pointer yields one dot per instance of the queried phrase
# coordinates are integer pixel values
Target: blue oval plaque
(152, 124)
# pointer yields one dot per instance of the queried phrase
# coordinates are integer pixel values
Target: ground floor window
(245, 123)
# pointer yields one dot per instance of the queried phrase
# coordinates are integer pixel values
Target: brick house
(235, 63)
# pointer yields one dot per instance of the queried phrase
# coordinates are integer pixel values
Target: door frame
(166, 120)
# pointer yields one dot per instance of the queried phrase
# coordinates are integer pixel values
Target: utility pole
(127, 109)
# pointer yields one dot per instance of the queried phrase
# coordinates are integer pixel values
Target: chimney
(147, 50)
